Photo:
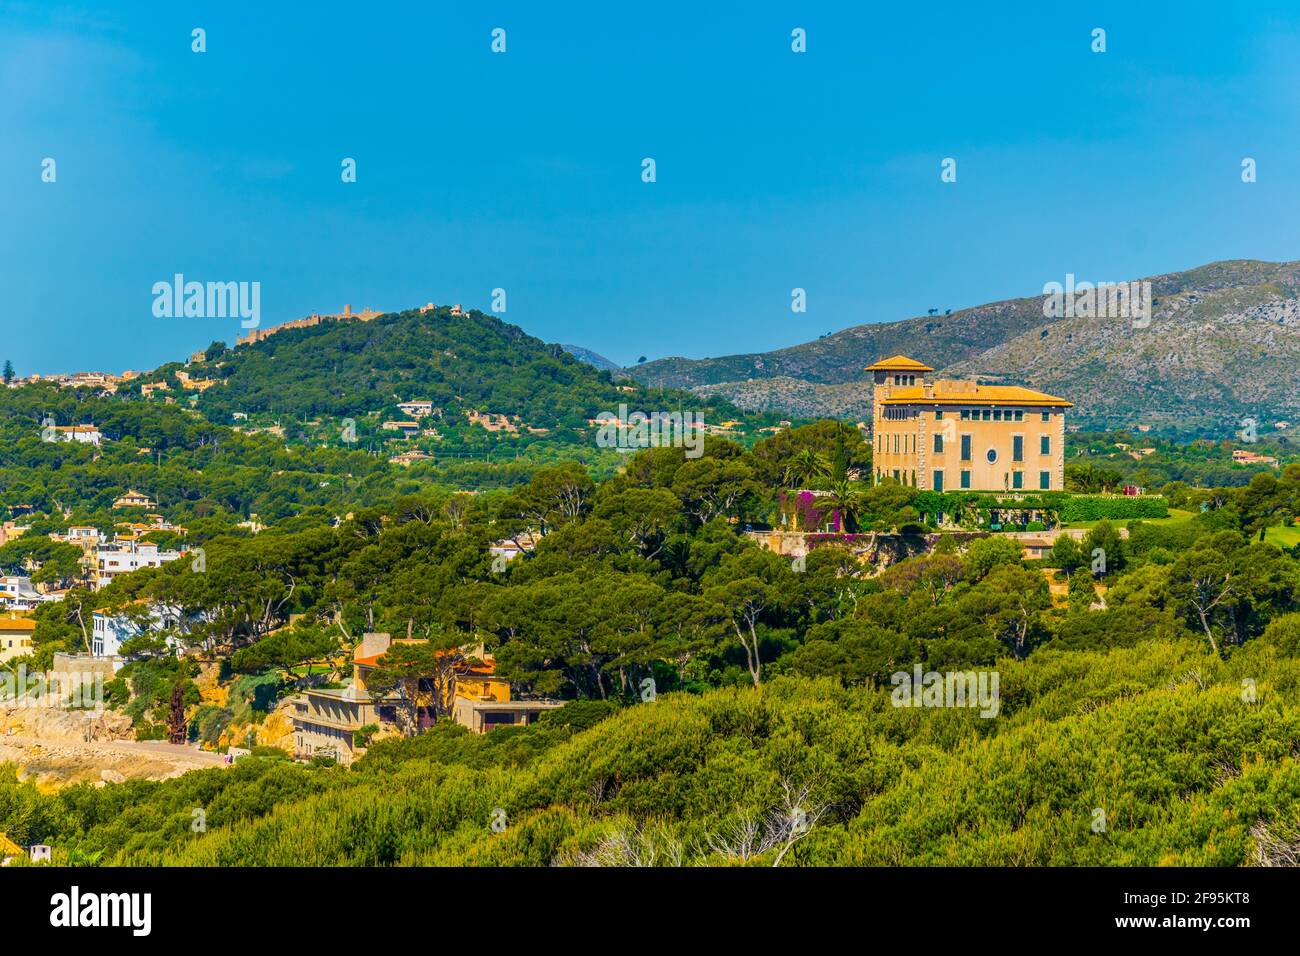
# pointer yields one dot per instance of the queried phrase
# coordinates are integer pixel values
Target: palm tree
(848, 501)
(806, 468)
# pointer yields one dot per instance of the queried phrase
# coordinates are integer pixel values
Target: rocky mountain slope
(591, 358)
(1223, 343)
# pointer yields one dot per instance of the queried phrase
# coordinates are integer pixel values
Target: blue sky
(522, 170)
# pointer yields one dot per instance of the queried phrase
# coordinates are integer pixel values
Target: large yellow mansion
(947, 435)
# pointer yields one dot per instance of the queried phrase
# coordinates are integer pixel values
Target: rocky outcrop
(55, 725)
(58, 747)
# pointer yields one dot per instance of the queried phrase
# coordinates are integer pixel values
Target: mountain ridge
(1223, 342)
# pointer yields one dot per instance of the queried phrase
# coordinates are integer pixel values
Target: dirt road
(57, 763)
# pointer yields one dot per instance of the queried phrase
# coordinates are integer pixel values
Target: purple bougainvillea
(807, 515)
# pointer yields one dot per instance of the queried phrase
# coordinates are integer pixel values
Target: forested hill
(459, 362)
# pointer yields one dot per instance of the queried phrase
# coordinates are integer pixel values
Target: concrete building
(480, 716)
(945, 435)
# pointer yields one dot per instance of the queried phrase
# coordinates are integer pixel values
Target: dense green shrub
(1113, 507)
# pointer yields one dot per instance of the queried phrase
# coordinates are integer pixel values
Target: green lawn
(1176, 515)
(1283, 537)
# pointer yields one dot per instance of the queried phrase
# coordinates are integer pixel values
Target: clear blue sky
(522, 170)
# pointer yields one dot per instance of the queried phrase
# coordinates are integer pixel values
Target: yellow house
(16, 630)
(946, 435)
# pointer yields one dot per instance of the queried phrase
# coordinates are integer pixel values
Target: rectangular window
(965, 414)
(938, 414)
(896, 474)
(1044, 479)
(965, 447)
(1020, 415)
(938, 444)
(965, 479)
(985, 415)
(1047, 416)
(1017, 447)
(1017, 479)
(1045, 445)
(937, 484)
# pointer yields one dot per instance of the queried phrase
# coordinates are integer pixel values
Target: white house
(511, 548)
(110, 631)
(416, 409)
(86, 434)
(17, 593)
(126, 555)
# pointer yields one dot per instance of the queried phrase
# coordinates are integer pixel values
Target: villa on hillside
(325, 720)
(1241, 456)
(416, 409)
(134, 499)
(408, 458)
(941, 434)
(408, 429)
(86, 434)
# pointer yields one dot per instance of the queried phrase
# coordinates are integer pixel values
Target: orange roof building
(16, 629)
(950, 435)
